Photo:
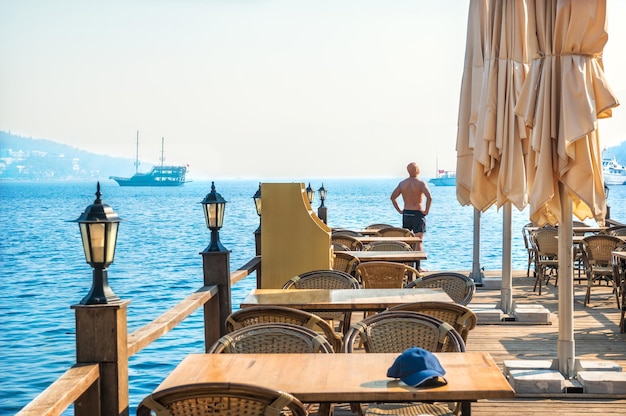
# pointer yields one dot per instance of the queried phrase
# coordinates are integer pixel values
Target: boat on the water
(444, 178)
(614, 173)
(162, 175)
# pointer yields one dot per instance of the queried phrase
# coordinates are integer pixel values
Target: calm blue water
(157, 263)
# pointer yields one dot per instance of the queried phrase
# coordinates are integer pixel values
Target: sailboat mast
(162, 150)
(137, 154)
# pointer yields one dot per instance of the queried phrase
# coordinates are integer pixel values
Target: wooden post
(216, 269)
(102, 337)
(322, 213)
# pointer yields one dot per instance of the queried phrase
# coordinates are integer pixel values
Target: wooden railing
(85, 384)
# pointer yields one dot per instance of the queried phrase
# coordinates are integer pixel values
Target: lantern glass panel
(96, 240)
(84, 234)
(111, 240)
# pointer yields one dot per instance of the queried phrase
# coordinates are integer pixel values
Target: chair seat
(408, 409)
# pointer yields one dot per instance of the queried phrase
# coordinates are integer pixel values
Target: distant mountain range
(26, 158)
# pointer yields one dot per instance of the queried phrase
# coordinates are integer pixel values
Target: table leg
(466, 408)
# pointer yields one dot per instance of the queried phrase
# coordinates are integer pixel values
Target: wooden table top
(343, 299)
(401, 256)
(338, 378)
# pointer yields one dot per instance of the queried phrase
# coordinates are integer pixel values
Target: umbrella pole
(476, 274)
(506, 295)
(565, 345)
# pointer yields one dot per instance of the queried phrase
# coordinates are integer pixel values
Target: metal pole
(565, 345)
(506, 294)
(477, 273)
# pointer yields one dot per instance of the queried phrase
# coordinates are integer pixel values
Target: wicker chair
(271, 338)
(546, 246)
(326, 279)
(385, 274)
(349, 241)
(345, 262)
(395, 232)
(388, 246)
(378, 226)
(220, 399)
(271, 314)
(462, 318)
(617, 231)
(337, 246)
(598, 261)
(529, 247)
(344, 231)
(395, 331)
(458, 286)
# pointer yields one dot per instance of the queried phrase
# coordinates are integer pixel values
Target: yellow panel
(293, 239)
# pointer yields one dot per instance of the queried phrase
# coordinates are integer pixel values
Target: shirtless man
(413, 191)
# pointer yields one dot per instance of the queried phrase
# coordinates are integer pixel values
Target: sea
(157, 262)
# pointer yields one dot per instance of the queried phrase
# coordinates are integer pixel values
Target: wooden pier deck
(596, 335)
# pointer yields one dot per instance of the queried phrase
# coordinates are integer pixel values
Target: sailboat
(161, 175)
(444, 177)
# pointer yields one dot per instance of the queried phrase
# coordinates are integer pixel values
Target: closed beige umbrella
(471, 87)
(498, 145)
(561, 101)
(564, 96)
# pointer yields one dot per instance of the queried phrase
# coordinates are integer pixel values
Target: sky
(252, 89)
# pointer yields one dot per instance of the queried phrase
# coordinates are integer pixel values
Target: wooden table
(341, 378)
(342, 300)
(399, 256)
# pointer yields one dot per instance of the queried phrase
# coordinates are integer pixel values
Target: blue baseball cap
(415, 366)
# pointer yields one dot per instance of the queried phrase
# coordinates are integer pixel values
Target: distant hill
(41, 159)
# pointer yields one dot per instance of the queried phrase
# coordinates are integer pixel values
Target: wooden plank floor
(596, 335)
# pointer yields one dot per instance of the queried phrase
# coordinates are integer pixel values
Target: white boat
(614, 173)
(444, 178)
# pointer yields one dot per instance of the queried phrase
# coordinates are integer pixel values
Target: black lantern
(322, 192)
(257, 200)
(310, 193)
(257, 204)
(98, 230)
(213, 205)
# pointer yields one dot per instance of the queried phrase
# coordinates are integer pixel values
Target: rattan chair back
(387, 246)
(378, 226)
(395, 232)
(617, 231)
(345, 262)
(459, 287)
(337, 246)
(462, 318)
(546, 246)
(349, 241)
(395, 331)
(264, 314)
(326, 279)
(345, 231)
(226, 399)
(529, 247)
(385, 274)
(271, 338)
(597, 258)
